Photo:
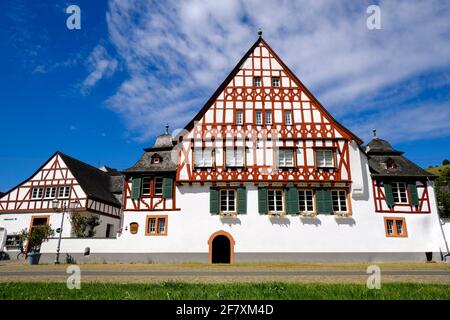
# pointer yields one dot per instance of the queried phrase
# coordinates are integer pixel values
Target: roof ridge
(83, 163)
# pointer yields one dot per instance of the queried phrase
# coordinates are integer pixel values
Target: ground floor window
(339, 198)
(228, 200)
(305, 200)
(156, 226)
(275, 202)
(395, 227)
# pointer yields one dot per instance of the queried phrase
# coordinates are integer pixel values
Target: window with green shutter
(413, 194)
(324, 202)
(262, 201)
(213, 200)
(136, 188)
(388, 193)
(292, 201)
(167, 191)
(242, 200)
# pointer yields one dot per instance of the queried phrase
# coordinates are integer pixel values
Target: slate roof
(380, 152)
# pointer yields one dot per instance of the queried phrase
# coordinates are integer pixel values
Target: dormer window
(156, 158)
(390, 164)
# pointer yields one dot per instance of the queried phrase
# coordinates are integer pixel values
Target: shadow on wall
(281, 221)
(345, 221)
(310, 221)
(230, 221)
(363, 192)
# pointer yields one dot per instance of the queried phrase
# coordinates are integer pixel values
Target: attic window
(257, 81)
(156, 158)
(390, 164)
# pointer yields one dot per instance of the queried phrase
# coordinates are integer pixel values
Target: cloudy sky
(102, 93)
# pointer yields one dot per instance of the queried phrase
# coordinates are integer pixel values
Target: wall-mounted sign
(134, 226)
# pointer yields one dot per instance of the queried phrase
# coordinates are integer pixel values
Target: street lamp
(55, 205)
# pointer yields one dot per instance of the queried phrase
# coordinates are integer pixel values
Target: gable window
(324, 158)
(158, 186)
(228, 200)
(37, 193)
(305, 200)
(399, 192)
(288, 118)
(156, 158)
(239, 117)
(146, 185)
(235, 157)
(268, 118)
(50, 192)
(275, 81)
(257, 81)
(64, 192)
(395, 227)
(258, 117)
(156, 226)
(285, 157)
(204, 157)
(275, 200)
(339, 198)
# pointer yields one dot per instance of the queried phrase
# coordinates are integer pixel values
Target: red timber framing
(381, 205)
(312, 126)
(148, 202)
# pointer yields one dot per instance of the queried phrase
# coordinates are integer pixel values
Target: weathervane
(260, 32)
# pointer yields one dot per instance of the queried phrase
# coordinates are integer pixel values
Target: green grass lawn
(222, 291)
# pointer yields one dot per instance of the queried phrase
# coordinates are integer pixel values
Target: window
(275, 200)
(324, 158)
(239, 117)
(257, 81)
(12, 242)
(204, 157)
(37, 193)
(235, 157)
(268, 118)
(258, 116)
(146, 182)
(395, 227)
(156, 226)
(275, 82)
(156, 158)
(228, 200)
(109, 230)
(50, 192)
(305, 200)
(64, 192)
(288, 118)
(158, 186)
(339, 198)
(399, 192)
(285, 157)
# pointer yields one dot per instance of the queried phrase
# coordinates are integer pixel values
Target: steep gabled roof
(236, 69)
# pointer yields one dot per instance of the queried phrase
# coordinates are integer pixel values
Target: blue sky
(102, 93)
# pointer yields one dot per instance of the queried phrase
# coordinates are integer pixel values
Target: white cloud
(177, 53)
(100, 65)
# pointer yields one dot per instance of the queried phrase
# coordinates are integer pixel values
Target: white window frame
(325, 158)
(257, 81)
(283, 160)
(150, 225)
(158, 184)
(268, 118)
(199, 157)
(258, 118)
(307, 202)
(239, 117)
(288, 118)
(64, 192)
(399, 192)
(39, 193)
(230, 204)
(339, 200)
(235, 157)
(274, 79)
(52, 194)
(159, 224)
(390, 226)
(276, 196)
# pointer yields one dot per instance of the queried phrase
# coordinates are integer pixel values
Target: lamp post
(55, 204)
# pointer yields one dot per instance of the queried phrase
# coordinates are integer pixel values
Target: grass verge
(222, 291)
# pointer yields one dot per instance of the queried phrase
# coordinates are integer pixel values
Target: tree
(446, 162)
(36, 236)
(443, 193)
(84, 226)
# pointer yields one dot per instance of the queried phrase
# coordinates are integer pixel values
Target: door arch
(221, 247)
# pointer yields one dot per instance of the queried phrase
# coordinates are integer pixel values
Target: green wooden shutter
(262, 201)
(241, 200)
(292, 201)
(388, 193)
(167, 188)
(213, 200)
(413, 195)
(324, 202)
(136, 188)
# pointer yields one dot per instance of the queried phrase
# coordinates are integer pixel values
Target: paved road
(236, 273)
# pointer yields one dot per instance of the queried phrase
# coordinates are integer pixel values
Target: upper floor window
(395, 227)
(235, 157)
(324, 158)
(268, 118)
(64, 192)
(257, 81)
(204, 157)
(239, 117)
(156, 226)
(37, 193)
(158, 186)
(156, 158)
(275, 200)
(288, 118)
(258, 118)
(399, 192)
(339, 198)
(285, 157)
(227, 200)
(305, 200)
(275, 81)
(146, 185)
(50, 192)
